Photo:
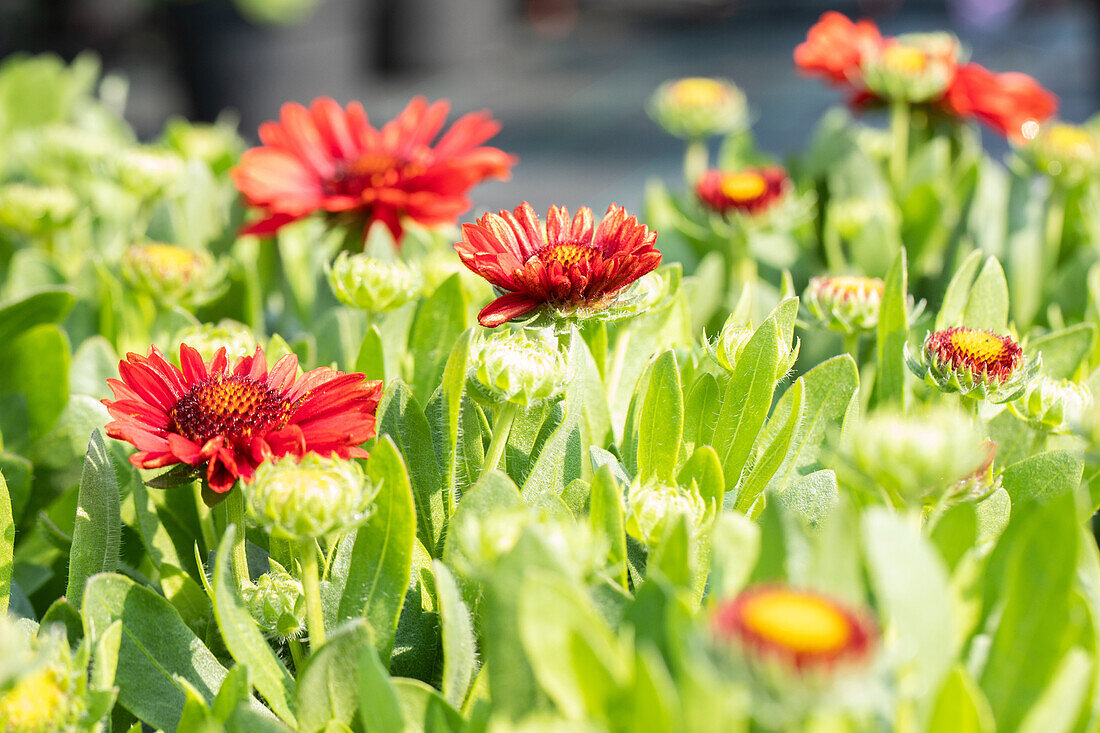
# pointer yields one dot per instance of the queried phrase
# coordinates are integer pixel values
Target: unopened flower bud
(36, 209)
(1054, 405)
(312, 498)
(727, 347)
(235, 337)
(917, 457)
(147, 171)
(915, 68)
(975, 363)
(39, 682)
(697, 108)
(217, 145)
(371, 284)
(173, 274)
(652, 507)
(844, 303)
(278, 604)
(1061, 150)
(851, 215)
(510, 367)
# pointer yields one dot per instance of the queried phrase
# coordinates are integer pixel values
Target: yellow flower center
(904, 59)
(167, 259)
(33, 703)
(699, 92)
(744, 186)
(1070, 140)
(568, 255)
(977, 346)
(801, 622)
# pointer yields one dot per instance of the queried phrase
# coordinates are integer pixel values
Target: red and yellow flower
(800, 629)
(329, 158)
(975, 363)
(567, 265)
(231, 419)
(748, 191)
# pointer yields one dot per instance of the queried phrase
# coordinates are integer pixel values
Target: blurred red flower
(1004, 102)
(233, 419)
(748, 191)
(329, 158)
(564, 265)
(835, 48)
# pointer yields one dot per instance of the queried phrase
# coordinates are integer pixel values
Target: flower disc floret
(510, 367)
(750, 191)
(803, 630)
(373, 284)
(696, 107)
(567, 267)
(310, 498)
(975, 363)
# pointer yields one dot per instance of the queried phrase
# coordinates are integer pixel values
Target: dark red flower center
(236, 407)
(568, 255)
(373, 170)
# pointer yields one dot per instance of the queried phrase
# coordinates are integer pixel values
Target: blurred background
(568, 79)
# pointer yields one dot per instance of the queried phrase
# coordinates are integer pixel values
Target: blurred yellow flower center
(743, 186)
(977, 346)
(699, 92)
(801, 622)
(1069, 140)
(904, 59)
(567, 255)
(32, 703)
(167, 259)
(843, 287)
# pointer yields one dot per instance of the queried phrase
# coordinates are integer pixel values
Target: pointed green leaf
(97, 532)
(661, 421)
(327, 690)
(459, 650)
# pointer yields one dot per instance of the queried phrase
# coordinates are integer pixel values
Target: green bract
(278, 604)
(372, 284)
(311, 498)
(174, 274)
(517, 368)
(35, 209)
(651, 508)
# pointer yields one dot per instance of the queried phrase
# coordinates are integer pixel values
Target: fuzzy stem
(234, 515)
(696, 158)
(851, 345)
(501, 428)
(311, 585)
(296, 654)
(899, 134)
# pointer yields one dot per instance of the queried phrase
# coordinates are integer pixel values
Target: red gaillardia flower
(564, 265)
(329, 158)
(748, 191)
(801, 629)
(1005, 102)
(835, 49)
(975, 363)
(230, 420)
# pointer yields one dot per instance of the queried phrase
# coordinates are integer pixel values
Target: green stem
(696, 159)
(830, 241)
(234, 515)
(851, 345)
(1054, 228)
(501, 428)
(296, 654)
(311, 585)
(899, 134)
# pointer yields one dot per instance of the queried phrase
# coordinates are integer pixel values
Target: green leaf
(370, 360)
(914, 595)
(379, 559)
(735, 548)
(439, 321)
(7, 545)
(661, 422)
(558, 463)
(782, 425)
(958, 290)
(155, 651)
(747, 401)
(1035, 558)
(459, 651)
(701, 410)
(606, 517)
(493, 492)
(1064, 351)
(585, 395)
(1057, 710)
(1042, 477)
(956, 532)
(893, 332)
(961, 706)
(243, 638)
(424, 709)
(703, 471)
(444, 409)
(97, 532)
(327, 688)
(378, 704)
(48, 305)
(987, 304)
(401, 418)
(37, 376)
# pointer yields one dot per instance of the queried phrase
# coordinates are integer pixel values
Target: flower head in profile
(311, 497)
(747, 191)
(1008, 103)
(916, 67)
(835, 49)
(569, 265)
(230, 419)
(799, 629)
(698, 107)
(975, 363)
(173, 274)
(1067, 152)
(329, 158)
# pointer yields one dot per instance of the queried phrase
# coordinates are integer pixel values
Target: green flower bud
(1061, 150)
(39, 690)
(207, 338)
(843, 303)
(314, 498)
(696, 108)
(916, 67)
(54, 152)
(651, 507)
(851, 215)
(1054, 405)
(36, 209)
(916, 457)
(726, 348)
(173, 274)
(974, 363)
(371, 284)
(217, 145)
(509, 367)
(278, 604)
(147, 171)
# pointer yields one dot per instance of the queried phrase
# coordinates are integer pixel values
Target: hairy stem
(311, 584)
(501, 428)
